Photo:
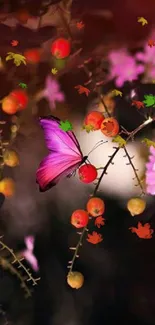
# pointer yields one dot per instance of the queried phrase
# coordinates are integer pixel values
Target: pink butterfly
(65, 154)
(28, 253)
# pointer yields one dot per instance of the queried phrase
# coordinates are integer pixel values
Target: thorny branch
(7, 264)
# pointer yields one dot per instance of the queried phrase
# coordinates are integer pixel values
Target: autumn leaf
(54, 71)
(148, 142)
(151, 43)
(82, 90)
(18, 58)
(142, 231)
(80, 25)
(99, 221)
(142, 20)
(14, 43)
(138, 104)
(116, 92)
(149, 100)
(94, 238)
(118, 139)
(66, 126)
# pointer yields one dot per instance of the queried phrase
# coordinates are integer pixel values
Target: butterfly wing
(65, 156)
(58, 140)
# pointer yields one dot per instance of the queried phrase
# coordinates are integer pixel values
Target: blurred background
(119, 272)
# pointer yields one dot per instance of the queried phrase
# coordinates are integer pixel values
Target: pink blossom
(150, 172)
(123, 67)
(147, 56)
(28, 253)
(52, 92)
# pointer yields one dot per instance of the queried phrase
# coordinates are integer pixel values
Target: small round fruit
(75, 280)
(7, 187)
(110, 127)
(136, 206)
(79, 218)
(87, 173)
(95, 206)
(33, 56)
(10, 105)
(93, 121)
(10, 158)
(61, 48)
(22, 98)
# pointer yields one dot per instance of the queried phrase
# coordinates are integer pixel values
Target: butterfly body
(65, 154)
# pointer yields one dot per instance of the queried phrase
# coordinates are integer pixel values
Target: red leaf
(14, 43)
(94, 238)
(80, 25)
(99, 221)
(142, 231)
(138, 104)
(82, 90)
(151, 43)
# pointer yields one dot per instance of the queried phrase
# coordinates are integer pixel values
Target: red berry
(61, 48)
(87, 173)
(33, 55)
(79, 218)
(93, 121)
(21, 97)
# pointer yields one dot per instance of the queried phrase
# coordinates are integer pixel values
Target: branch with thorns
(6, 264)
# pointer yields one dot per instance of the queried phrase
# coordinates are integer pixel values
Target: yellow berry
(10, 158)
(75, 280)
(136, 206)
(7, 187)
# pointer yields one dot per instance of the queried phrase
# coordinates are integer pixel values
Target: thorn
(14, 261)
(87, 229)
(128, 164)
(69, 267)
(80, 244)
(79, 233)
(112, 163)
(72, 248)
(70, 262)
(77, 256)
(132, 157)
(124, 156)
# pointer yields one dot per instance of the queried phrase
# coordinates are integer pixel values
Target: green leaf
(149, 100)
(22, 85)
(66, 126)
(148, 142)
(118, 139)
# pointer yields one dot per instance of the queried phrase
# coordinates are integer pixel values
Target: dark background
(119, 272)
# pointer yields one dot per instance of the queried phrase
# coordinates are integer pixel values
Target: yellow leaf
(116, 92)
(54, 70)
(118, 139)
(148, 142)
(142, 20)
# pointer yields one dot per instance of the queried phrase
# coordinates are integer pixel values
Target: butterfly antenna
(98, 144)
